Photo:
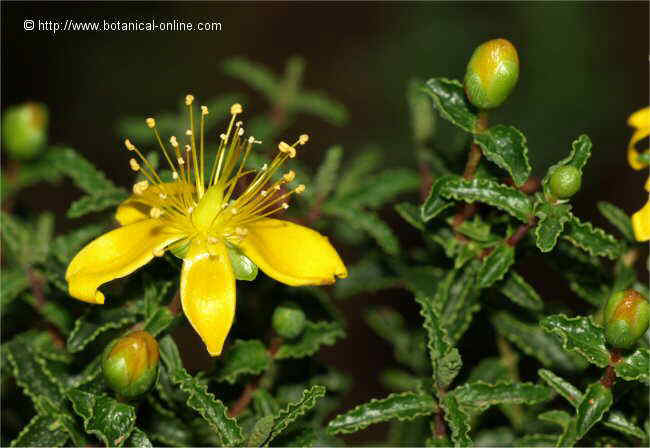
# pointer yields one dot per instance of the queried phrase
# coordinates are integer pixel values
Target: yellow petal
(640, 118)
(641, 223)
(208, 293)
(292, 254)
(136, 207)
(632, 153)
(114, 255)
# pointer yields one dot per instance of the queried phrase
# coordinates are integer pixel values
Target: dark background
(584, 69)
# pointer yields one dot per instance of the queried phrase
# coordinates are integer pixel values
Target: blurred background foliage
(584, 69)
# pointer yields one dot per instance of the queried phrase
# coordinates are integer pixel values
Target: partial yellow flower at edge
(641, 223)
(200, 214)
(640, 120)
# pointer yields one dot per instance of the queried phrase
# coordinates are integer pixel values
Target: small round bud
(626, 318)
(24, 130)
(565, 181)
(288, 320)
(130, 364)
(492, 73)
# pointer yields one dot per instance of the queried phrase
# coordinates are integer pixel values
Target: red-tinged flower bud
(130, 364)
(24, 130)
(492, 73)
(626, 318)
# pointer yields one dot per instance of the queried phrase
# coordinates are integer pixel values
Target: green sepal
(243, 357)
(596, 401)
(312, 338)
(295, 410)
(552, 218)
(506, 147)
(449, 99)
(404, 406)
(618, 218)
(242, 266)
(477, 397)
(580, 335)
(592, 239)
(521, 292)
(97, 321)
(458, 420)
(104, 417)
(635, 367)
(496, 265)
(580, 153)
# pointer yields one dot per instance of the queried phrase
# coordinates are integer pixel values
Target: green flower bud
(24, 130)
(492, 73)
(130, 364)
(288, 320)
(565, 181)
(626, 316)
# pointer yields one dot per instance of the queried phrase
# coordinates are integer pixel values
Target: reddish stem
(520, 233)
(609, 377)
(426, 180)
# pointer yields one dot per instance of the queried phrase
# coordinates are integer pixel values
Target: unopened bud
(288, 320)
(24, 130)
(130, 364)
(565, 181)
(626, 318)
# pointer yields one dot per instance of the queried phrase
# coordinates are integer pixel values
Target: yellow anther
(290, 176)
(285, 205)
(140, 187)
(174, 175)
(151, 122)
(129, 145)
(239, 123)
(236, 109)
(188, 132)
(162, 196)
(300, 188)
(283, 147)
(135, 166)
(212, 240)
(241, 231)
(304, 138)
(263, 193)
(158, 252)
(204, 110)
(190, 209)
(180, 161)
(188, 148)
(251, 139)
(223, 137)
(173, 141)
(265, 167)
(189, 99)
(155, 212)
(277, 188)
(233, 210)
(241, 132)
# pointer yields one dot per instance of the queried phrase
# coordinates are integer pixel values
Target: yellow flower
(199, 217)
(640, 120)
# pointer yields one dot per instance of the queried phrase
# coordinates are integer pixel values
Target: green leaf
(404, 406)
(296, 409)
(318, 104)
(42, 430)
(356, 170)
(618, 422)
(474, 228)
(450, 100)
(66, 246)
(370, 223)
(365, 276)
(506, 147)
(411, 214)
(243, 357)
(53, 312)
(260, 431)
(592, 239)
(580, 335)
(496, 265)
(255, 75)
(489, 370)
(108, 419)
(264, 403)
(580, 153)
(445, 359)
(618, 218)
(242, 266)
(561, 418)
(14, 281)
(541, 440)
(139, 439)
(159, 321)
(169, 431)
(479, 396)
(635, 367)
(39, 170)
(533, 341)
(42, 239)
(561, 386)
(551, 224)
(497, 437)
(95, 322)
(596, 401)
(169, 354)
(81, 171)
(399, 380)
(435, 203)
(325, 179)
(521, 292)
(375, 191)
(96, 203)
(458, 420)
(16, 236)
(314, 335)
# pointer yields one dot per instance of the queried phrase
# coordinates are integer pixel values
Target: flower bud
(565, 181)
(288, 320)
(492, 73)
(626, 316)
(130, 364)
(24, 130)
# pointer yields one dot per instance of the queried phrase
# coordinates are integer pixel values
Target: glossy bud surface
(565, 181)
(288, 320)
(492, 73)
(626, 318)
(130, 364)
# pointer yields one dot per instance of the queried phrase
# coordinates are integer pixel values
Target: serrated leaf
(159, 321)
(96, 202)
(580, 335)
(399, 380)
(139, 439)
(496, 265)
(31, 173)
(458, 420)
(635, 367)
(325, 179)
(474, 228)
(552, 218)
(356, 169)
(169, 431)
(449, 98)
(95, 322)
(42, 430)
(435, 203)
(618, 218)
(242, 266)
(375, 191)
(489, 370)
(521, 292)
(497, 437)
(533, 341)
(457, 299)
(64, 247)
(320, 105)
(390, 325)
(14, 281)
(404, 406)
(618, 422)
(592, 239)
(561, 418)
(365, 276)
(596, 401)
(81, 171)
(255, 75)
(445, 359)
(580, 153)
(260, 431)
(370, 223)
(16, 236)
(532, 440)
(53, 312)
(506, 147)
(169, 353)
(411, 214)
(313, 337)
(479, 396)
(42, 239)
(561, 386)
(295, 410)
(243, 357)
